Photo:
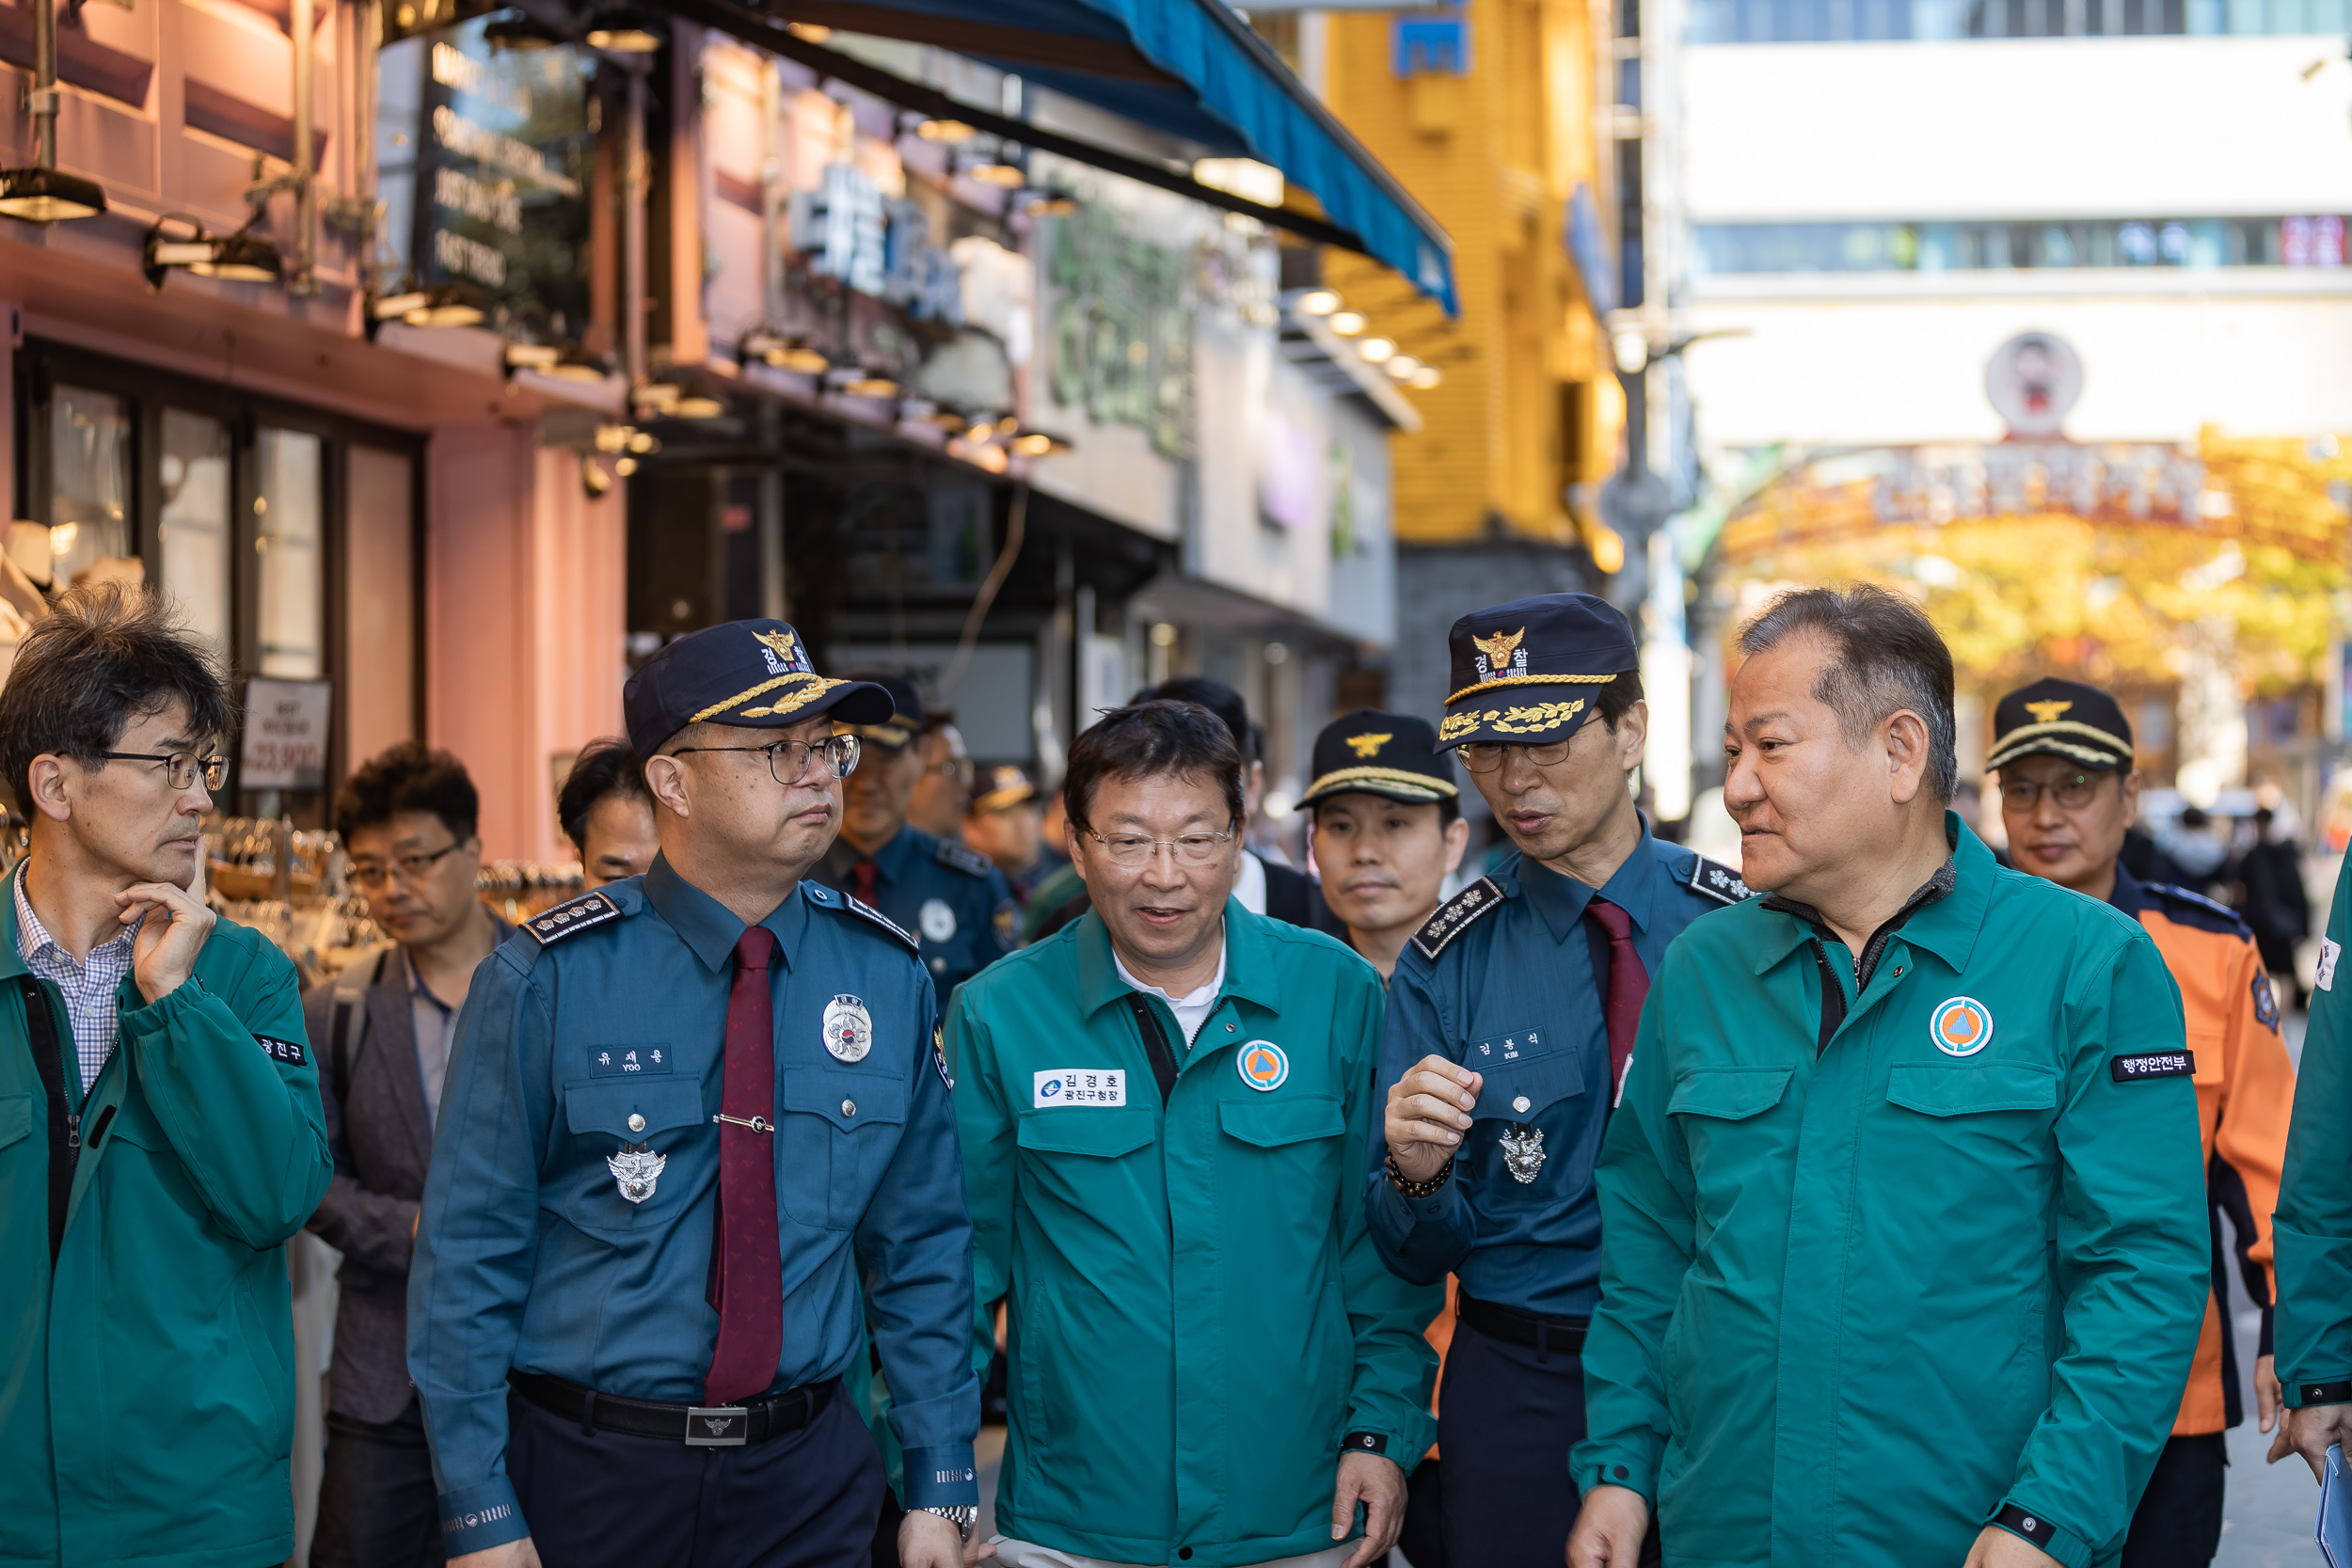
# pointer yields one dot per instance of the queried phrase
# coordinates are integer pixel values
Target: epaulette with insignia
(964, 858)
(1456, 915)
(859, 907)
(1718, 882)
(2198, 904)
(572, 917)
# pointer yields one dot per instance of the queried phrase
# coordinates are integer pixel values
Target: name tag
(287, 1052)
(1505, 1048)
(1078, 1085)
(2152, 1064)
(625, 1061)
(2329, 952)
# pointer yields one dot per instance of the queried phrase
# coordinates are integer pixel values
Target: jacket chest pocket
(1721, 1112)
(615, 1184)
(1527, 1141)
(840, 1128)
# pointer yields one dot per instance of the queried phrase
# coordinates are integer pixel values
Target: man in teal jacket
(2314, 1226)
(1164, 1109)
(1903, 1255)
(160, 1131)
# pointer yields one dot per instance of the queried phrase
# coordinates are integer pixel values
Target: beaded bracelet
(1419, 1189)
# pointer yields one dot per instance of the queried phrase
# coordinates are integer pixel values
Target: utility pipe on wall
(304, 279)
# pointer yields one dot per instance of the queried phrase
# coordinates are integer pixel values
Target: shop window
(89, 468)
(288, 536)
(193, 532)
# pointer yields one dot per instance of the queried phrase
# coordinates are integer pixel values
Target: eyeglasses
(179, 768)
(2071, 792)
(788, 760)
(1134, 852)
(1487, 758)
(959, 768)
(411, 869)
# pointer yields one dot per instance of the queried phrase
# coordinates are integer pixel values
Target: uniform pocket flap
(1936, 1090)
(16, 1117)
(1085, 1129)
(606, 1107)
(848, 1100)
(1269, 1122)
(1731, 1093)
(1518, 1091)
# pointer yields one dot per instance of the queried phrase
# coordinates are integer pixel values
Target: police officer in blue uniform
(1511, 1018)
(686, 1114)
(950, 894)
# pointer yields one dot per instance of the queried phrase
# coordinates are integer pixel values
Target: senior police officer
(1904, 1254)
(2069, 792)
(1511, 1017)
(946, 892)
(686, 1114)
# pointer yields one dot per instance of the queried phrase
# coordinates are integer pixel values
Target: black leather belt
(697, 1426)
(1525, 1329)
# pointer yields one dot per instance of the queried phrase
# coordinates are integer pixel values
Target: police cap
(1001, 786)
(2065, 719)
(751, 672)
(1391, 754)
(1525, 672)
(895, 733)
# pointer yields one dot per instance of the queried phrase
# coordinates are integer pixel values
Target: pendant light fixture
(41, 194)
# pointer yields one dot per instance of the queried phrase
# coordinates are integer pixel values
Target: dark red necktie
(1629, 988)
(863, 874)
(749, 1279)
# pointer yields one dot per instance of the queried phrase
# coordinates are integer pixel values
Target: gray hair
(1885, 657)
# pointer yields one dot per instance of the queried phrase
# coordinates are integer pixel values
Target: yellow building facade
(1529, 405)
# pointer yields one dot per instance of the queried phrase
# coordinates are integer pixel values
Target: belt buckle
(716, 1426)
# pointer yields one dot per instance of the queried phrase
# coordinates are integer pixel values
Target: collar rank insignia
(2046, 713)
(1367, 746)
(571, 918)
(859, 907)
(964, 858)
(1719, 882)
(1457, 915)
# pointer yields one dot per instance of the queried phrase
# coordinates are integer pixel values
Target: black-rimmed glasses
(179, 768)
(411, 869)
(1485, 758)
(2071, 791)
(788, 760)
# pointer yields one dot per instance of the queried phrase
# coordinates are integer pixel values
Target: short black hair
(103, 659)
(1220, 699)
(1448, 806)
(1615, 700)
(1885, 656)
(1147, 738)
(604, 767)
(408, 777)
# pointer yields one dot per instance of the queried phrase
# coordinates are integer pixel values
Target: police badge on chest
(1522, 1151)
(635, 1169)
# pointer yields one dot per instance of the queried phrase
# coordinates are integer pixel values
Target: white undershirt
(1250, 886)
(1191, 1012)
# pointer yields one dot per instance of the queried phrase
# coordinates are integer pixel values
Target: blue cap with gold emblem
(897, 733)
(1526, 672)
(2065, 719)
(1391, 754)
(752, 672)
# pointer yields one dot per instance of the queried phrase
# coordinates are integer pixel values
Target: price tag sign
(285, 734)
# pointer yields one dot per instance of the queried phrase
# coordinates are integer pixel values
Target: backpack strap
(64, 1120)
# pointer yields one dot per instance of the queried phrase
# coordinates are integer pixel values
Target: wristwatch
(964, 1516)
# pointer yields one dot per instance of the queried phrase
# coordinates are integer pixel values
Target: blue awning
(1220, 86)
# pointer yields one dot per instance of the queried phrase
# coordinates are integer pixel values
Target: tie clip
(758, 1124)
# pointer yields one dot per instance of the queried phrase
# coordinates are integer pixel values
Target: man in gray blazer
(381, 1034)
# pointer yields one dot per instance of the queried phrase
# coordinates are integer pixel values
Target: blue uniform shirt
(1515, 992)
(950, 894)
(613, 1008)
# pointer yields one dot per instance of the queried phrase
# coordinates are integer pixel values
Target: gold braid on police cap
(1532, 680)
(1403, 777)
(2006, 746)
(782, 705)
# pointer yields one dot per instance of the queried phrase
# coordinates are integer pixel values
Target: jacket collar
(1945, 926)
(1249, 967)
(1561, 899)
(12, 962)
(2130, 894)
(708, 926)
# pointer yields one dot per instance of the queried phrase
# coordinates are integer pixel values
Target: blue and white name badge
(1101, 1087)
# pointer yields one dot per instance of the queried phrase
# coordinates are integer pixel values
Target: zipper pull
(73, 1130)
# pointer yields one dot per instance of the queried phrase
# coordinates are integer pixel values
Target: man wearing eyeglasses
(1163, 1108)
(384, 1029)
(2069, 792)
(160, 1138)
(689, 1116)
(1511, 1021)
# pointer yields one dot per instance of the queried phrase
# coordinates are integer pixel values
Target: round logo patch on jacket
(1962, 1027)
(849, 1029)
(1261, 1065)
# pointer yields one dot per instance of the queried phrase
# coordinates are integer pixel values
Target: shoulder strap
(1474, 903)
(1156, 1044)
(65, 1123)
